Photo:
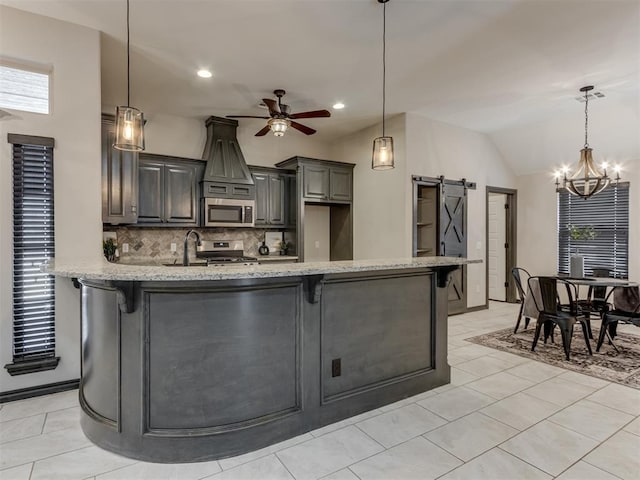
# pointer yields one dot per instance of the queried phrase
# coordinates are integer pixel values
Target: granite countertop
(103, 270)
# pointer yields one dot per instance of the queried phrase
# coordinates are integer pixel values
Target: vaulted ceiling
(508, 68)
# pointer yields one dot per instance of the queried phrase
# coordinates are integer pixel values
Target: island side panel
(221, 358)
(100, 356)
(375, 331)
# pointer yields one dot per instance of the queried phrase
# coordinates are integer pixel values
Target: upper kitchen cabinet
(169, 190)
(119, 179)
(323, 180)
(272, 199)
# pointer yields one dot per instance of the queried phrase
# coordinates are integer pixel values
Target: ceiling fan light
(278, 126)
(382, 158)
(129, 129)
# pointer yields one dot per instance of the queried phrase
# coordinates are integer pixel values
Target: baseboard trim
(477, 308)
(30, 392)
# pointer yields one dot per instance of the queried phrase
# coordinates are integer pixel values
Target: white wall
(74, 122)
(317, 229)
(379, 205)
(185, 137)
(537, 221)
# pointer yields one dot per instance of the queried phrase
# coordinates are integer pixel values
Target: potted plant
(109, 247)
(284, 247)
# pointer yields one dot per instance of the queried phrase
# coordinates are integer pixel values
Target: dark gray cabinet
(168, 190)
(327, 182)
(271, 197)
(119, 179)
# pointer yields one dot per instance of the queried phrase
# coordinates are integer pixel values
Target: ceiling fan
(281, 117)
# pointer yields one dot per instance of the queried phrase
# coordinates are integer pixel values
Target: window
(597, 228)
(33, 243)
(25, 90)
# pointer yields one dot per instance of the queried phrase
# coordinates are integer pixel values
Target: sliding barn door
(453, 240)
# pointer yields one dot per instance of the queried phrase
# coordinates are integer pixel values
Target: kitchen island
(183, 364)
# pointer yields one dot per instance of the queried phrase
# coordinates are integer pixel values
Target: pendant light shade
(129, 120)
(382, 153)
(587, 180)
(129, 129)
(382, 158)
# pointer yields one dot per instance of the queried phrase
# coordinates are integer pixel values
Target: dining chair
(550, 313)
(518, 275)
(596, 297)
(626, 309)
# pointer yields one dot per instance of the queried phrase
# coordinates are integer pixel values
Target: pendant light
(382, 158)
(129, 120)
(587, 180)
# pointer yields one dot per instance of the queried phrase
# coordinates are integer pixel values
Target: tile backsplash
(154, 244)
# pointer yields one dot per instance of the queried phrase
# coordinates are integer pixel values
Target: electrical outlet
(317, 243)
(336, 367)
(125, 248)
(174, 247)
(478, 245)
(477, 288)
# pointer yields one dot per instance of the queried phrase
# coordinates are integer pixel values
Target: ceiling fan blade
(263, 132)
(246, 116)
(272, 105)
(311, 114)
(303, 128)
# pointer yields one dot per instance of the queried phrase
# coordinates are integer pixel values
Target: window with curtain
(33, 243)
(597, 228)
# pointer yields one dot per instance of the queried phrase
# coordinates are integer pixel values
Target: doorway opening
(500, 243)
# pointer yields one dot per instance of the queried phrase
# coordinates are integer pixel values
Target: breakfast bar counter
(184, 364)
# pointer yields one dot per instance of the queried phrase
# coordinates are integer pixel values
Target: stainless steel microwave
(227, 212)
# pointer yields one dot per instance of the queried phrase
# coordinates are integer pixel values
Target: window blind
(607, 215)
(33, 244)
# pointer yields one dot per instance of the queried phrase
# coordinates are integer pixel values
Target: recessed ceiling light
(204, 73)
(338, 106)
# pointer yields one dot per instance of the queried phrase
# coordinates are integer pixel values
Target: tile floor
(502, 417)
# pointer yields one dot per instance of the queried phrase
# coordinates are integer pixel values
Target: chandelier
(588, 179)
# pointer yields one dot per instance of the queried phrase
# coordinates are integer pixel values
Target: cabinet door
(340, 182)
(119, 180)
(181, 194)
(291, 201)
(276, 199)
(261, 212)
(151, 192)
(316, 182)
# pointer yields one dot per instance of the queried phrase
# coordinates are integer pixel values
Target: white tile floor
(503, 417)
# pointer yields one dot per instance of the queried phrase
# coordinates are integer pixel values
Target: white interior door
(496, 263)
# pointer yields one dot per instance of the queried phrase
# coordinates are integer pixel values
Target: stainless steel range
(224, 252)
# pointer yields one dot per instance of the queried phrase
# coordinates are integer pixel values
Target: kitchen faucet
(185, 256)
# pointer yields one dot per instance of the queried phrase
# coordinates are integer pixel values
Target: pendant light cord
(384, 61)
(128, 61)
(586, 118)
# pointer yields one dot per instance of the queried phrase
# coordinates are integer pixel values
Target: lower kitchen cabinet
(169, 190)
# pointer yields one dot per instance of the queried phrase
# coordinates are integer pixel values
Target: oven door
(224, 212)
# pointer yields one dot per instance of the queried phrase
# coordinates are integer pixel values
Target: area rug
(620, 367)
